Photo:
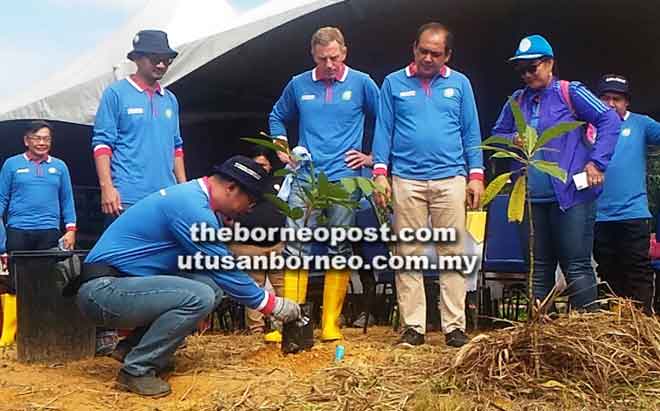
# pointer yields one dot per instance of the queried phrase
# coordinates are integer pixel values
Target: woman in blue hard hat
(563, 213)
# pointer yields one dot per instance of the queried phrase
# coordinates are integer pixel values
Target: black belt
(92, 271)
(89, 272)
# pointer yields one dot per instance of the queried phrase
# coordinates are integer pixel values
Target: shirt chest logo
(307, 97)
(409, 93)
(135, 110)
(346, 95)
(22, 170)
(626, 132)
(449, 92)
(52, 170)
(168, 113)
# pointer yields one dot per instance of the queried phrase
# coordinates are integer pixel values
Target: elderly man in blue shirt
(330, 103)
(621, 243)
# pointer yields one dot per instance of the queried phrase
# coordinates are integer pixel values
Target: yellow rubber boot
(295, 289)
(8, 320)
(295, 285)
(335, 286)
(273, 337)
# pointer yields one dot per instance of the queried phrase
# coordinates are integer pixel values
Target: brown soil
(212, 370)
(239, 372)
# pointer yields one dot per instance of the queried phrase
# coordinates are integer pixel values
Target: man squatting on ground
(426, 127)
(137, 141)
(330, 103)
(131, 277)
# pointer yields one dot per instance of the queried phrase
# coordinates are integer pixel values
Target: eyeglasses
(156, 59)
(522, 68)
(45, 139)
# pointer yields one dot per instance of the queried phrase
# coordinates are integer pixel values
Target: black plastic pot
(50, 326)
(299, 335)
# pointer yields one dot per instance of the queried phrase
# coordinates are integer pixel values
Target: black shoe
(410, 338)
(456, 338)
(147, 385)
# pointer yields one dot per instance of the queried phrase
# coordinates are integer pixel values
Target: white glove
(285, 310)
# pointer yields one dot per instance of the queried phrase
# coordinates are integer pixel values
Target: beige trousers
(254, 319)
(444, 201)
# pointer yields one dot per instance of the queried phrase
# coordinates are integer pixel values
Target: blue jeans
(564, 237)
(168, 306)
(337, 216)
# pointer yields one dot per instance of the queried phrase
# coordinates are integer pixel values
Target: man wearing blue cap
(132, 277)
(621, 246)
(563, 212)
(136, 142)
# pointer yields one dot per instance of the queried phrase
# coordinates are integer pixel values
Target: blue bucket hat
(151, 42)
(533, 47)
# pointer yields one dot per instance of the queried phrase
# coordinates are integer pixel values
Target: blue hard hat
(533, 47)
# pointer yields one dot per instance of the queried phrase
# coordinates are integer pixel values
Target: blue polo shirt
(36, 195)
(140, 131)
(147, 239)
(330, 116)
(624, 190)
(424, 130)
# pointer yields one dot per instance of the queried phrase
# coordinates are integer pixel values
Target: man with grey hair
(329, 102)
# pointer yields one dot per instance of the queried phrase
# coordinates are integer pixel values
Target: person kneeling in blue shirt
(621, 242)
(132, 278)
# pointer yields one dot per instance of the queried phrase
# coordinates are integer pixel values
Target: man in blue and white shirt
(132, 277)
(137, 142)
(37, 198)
(426, 129)
(330, 103)
(621, 243)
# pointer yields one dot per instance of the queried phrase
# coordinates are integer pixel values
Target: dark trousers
(18, 239)
(564, 237)
(621, 249)
(22, 240)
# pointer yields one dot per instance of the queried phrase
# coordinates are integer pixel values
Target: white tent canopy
(200, 30)
(227, 78)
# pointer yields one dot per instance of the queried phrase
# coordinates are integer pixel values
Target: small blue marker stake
(339, 353)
